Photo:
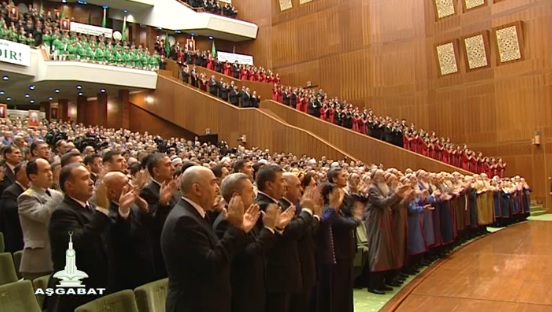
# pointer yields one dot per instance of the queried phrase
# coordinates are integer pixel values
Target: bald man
(197, 262)
(131, 247)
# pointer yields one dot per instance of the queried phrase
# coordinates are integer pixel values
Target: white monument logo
(70, 276)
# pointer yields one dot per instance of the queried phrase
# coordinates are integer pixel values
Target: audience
(44, 30)
(214, 6)
(269, 231)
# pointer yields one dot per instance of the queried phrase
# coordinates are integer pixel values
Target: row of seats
(17, 294)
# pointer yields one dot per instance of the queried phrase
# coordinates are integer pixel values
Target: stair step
(538, 213)
(535, 207)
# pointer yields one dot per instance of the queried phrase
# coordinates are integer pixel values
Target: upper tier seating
(214, 7)
(43, 30)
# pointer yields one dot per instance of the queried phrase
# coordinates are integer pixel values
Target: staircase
(536, 209)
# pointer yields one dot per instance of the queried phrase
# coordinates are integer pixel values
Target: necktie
(89, 208)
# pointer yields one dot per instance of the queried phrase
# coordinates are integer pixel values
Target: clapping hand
(166, 192)
(127, 198)
(234, 213)
(312, 200)
(250, 218)
(429, 207)
(285, 217)
(141, 179)
(270, 216)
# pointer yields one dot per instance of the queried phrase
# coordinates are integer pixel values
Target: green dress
(3, 33)
(72, 51)
(127, 59)
(99, 56)
(30, 41)
(47, 40)
(153, 62)
(12, 35)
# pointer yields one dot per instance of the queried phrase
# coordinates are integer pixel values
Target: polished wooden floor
(510, 270)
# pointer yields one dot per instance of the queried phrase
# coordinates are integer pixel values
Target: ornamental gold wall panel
(285, 5)
(476, 51)
(444, 8)
(446, 57)
(509, 42)
(472, 4)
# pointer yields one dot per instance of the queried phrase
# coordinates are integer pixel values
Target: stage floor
(510, 270)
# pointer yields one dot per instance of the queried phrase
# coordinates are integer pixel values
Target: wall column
(63, 109)
(82, 103)
(45, 107)
(100, 118)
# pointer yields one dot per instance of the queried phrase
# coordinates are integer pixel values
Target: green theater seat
(122, 301)
(18, 296)
(151, 297)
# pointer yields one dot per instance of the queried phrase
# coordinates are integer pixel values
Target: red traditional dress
(501, 169)
(280, 96)
(486, 168)
(355, 124)
(446, 155)
(227, 69)
(473, 165)
(323, 113)
(244, 74)
(465, 161)
(304, 105)
(331, 116)
(419, 143)
(424, 148)
(269, 79)
(262, 77)
(210, 63)
(275, 94)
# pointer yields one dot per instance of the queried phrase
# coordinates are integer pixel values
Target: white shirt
(197, 207)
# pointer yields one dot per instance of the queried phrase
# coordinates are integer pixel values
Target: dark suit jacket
(248, 267)
(9, 217)
(9, 179)
(283, 269)
(198, 262)
(130, 249)
(150, 194)
(90, 231)
(307, 251)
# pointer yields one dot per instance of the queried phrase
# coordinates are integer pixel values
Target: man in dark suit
(279, 283)
(94, 165)
(198, 262)
(9, 216)
(89, 227)
(160, 194)
(213, 86)
(247, 274)
(233, 97)
(246, 98)
(130, 242)
(241, 94)
(300, 232)
(13, 156)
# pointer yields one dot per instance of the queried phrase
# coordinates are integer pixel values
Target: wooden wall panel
(381, 55)
(142, 120)
(360, 146)
(197, 111)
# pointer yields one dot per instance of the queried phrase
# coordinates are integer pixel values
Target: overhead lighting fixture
(105, 7)
(27, 95)
(82, 2)
(125, 11)
(63, 1)
(177, 31)
(102, 90)
(8, 98)
(211, 38)
(32, 87)
(79, 87)
(50, 98)
(80, 93)
(1, 92)
(6, 78)
(31, 101)
(56, 90)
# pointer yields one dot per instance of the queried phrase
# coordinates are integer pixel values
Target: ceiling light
(50, 98)
(210, 37)
(177, 31)
(105, 7)
(32, 101)
(32, 87)
(5, 77)
(102, 90)
(56, 90)
(80, 93)
(79, 87)
(8, 98)
(27, 95)
(1, 92)
(125, 11)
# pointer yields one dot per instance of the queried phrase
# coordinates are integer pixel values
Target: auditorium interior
(425, 122)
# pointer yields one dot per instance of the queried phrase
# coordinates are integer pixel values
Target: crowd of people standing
(268, 231)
